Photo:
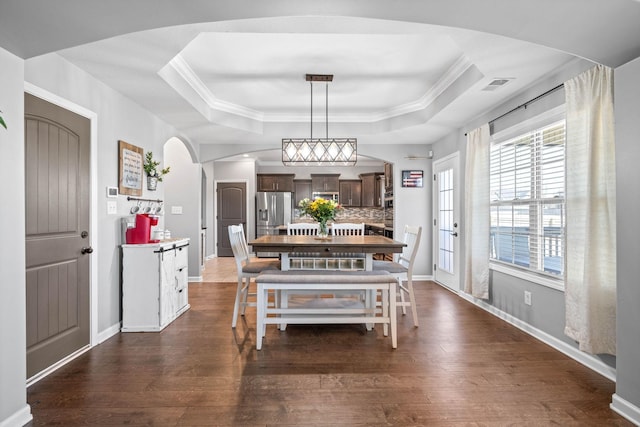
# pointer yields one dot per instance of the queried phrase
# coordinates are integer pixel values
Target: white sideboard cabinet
(154, 284)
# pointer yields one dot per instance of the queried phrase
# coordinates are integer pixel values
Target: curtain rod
(524, 104)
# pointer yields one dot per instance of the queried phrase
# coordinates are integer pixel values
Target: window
(527, 184)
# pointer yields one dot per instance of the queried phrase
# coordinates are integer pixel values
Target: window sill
(549, 282)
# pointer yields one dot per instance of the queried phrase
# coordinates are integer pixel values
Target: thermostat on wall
(112, 191)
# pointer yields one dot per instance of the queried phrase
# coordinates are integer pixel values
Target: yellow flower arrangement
(322, 210)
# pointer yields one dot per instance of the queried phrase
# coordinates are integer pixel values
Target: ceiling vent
(497, 83)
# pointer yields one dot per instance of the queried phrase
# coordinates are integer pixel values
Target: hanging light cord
(326, 111)
(311, 124)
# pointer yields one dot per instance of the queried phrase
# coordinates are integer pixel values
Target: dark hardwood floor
(461, 367)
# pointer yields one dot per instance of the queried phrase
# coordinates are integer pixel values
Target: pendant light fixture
(319, 151)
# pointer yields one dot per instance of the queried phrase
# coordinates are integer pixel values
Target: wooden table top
(353, 244)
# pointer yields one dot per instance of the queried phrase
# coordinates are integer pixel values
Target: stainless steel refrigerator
(273, 209)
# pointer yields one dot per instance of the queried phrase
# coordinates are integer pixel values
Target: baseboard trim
(60, 363)
(625, 409)
(18, 418)
(574, 353)
(194, 279)
(102, 337)
(423, 277)
(109, 332)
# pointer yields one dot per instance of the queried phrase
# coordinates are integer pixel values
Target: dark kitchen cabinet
(350, 192)
(275, 182)
(371, 191)
(325, 183)
(388, 177)
(301, 189)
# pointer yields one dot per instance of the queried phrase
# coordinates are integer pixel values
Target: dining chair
(303, 229)
(347, 229)
(247, 269)
(402, 269)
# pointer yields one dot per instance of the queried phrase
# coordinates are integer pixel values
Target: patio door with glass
(446, 222)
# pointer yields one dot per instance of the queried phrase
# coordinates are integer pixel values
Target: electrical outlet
(527, 297)
(176, 210)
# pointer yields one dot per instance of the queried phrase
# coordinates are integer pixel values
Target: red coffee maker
(141, 233)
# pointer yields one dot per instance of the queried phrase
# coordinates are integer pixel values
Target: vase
(323, 232)
(152, 183)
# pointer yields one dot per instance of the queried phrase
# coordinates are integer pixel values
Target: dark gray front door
(232, 210)
(57, 144)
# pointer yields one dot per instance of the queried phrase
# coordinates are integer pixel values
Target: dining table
(326, 253)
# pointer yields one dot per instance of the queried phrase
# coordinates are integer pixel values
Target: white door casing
(446, 223)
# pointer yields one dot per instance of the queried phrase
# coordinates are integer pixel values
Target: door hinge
(435, 267)
(434, 222)
(434, 176)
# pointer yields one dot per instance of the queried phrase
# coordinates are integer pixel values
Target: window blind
(527, 188)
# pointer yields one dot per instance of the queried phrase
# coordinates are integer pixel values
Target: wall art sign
(130, 172)
(412, 178)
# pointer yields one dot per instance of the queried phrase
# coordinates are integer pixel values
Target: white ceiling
(221, 87)
(243, 80)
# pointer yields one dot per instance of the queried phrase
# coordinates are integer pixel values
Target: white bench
(368, 282)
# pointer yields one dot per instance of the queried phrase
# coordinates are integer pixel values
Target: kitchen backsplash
(351, 214)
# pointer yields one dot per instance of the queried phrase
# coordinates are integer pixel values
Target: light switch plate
(176, 210)
(112, 207)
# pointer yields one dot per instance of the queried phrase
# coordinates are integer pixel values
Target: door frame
(94, 336)
(215, 210)
(455, 157)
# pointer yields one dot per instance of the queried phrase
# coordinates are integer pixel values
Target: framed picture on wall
(130, 172)
(412, 178)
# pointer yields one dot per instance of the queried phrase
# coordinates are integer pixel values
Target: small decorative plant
(151, 167)
(322, 210)
(2, 123)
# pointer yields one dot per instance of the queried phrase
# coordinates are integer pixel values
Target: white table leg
(392, 315)
(368, 261)
(385, 310)
(285, 263)
(260, 310)
(284, 303)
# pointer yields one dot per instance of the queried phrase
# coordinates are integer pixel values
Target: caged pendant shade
(319, 151)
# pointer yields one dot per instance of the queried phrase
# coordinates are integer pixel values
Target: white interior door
(446, 214)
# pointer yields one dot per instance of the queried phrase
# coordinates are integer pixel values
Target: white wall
(207, 168)
(182, 189)
(118, 118)
(627, 94)
(13, 402)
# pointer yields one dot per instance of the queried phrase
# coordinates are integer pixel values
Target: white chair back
(411, 238)
(347, 229)
(238, 245)
(303, 229)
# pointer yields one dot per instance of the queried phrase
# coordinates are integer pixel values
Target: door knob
(86, 250)
(455, 234)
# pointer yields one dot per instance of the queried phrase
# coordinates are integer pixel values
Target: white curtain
(476, 213)
(590, 287)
